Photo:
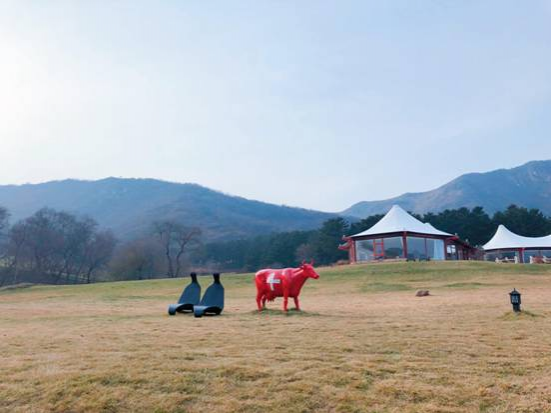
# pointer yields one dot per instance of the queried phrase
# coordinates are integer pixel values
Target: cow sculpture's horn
(312, 262)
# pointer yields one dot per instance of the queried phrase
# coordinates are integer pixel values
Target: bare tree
(4, 219)
(52, 246)
(74, 238)
(176, 239)
(98, 253)
(15, 249)
(43, 242)
(138, 260)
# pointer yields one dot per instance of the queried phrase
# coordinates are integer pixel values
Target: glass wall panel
(451, 250)
(536, 254)
(435, 249)
(417, 249)
(394, 247)
(364, 250)
(500, 255)
(531, 253)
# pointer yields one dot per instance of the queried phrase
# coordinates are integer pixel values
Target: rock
(422, 293)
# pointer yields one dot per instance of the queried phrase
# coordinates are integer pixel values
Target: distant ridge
(129, 207)
(528, 185)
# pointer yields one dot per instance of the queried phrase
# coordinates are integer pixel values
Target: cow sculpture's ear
(312, 262)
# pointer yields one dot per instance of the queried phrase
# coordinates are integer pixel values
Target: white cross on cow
(272, 280)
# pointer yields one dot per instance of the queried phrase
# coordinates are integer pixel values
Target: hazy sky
(317, 104)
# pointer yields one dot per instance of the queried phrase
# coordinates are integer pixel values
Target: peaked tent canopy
(507, 240)
(398, 220)
(398, 235)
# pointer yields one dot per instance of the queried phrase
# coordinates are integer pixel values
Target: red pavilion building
(398, 235)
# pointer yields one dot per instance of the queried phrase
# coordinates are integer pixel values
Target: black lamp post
(515, 300)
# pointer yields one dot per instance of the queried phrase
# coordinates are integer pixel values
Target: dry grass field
(364, 343)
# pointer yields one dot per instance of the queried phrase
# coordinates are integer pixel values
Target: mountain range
(130, 206)
(528, 185)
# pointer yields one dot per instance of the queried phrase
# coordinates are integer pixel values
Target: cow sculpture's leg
(259, 297)
(297, 306)
(264, 301)
(285, 301)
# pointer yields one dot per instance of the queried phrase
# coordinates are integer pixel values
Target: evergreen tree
(366, 223)
(473, 225)
(325, 241)
(290, 248)
(523, 221)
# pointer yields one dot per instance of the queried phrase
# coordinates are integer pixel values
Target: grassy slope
(364, 344)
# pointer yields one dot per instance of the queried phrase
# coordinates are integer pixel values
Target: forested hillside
(128, 207)
(286, 249)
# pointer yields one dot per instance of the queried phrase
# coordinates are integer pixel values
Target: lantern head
(515, 300)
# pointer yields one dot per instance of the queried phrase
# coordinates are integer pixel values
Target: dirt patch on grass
(467, 285)
(383, 287)
(517, 316)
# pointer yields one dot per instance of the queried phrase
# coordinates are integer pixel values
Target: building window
(364, 250)
(435, 249)
(372, 249)
(451, 251)
(417, 248)
(394, 247)
(491, 256)
(536, 254)
(425, 248)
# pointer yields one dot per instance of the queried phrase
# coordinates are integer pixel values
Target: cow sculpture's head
(308, 270)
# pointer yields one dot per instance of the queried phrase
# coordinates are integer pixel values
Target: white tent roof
(398, 220)
(505, 239)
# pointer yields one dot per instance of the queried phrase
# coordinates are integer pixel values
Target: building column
(405, 244)
(352, 252)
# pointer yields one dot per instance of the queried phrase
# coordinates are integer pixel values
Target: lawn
(364, 343)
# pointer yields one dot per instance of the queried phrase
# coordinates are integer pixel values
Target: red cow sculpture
(284, 283)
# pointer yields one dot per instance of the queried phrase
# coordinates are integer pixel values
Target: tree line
(52, 247)
(286, 249)
(161, 252)
(58, 247)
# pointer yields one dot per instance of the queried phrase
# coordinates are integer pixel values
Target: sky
(310, 103)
